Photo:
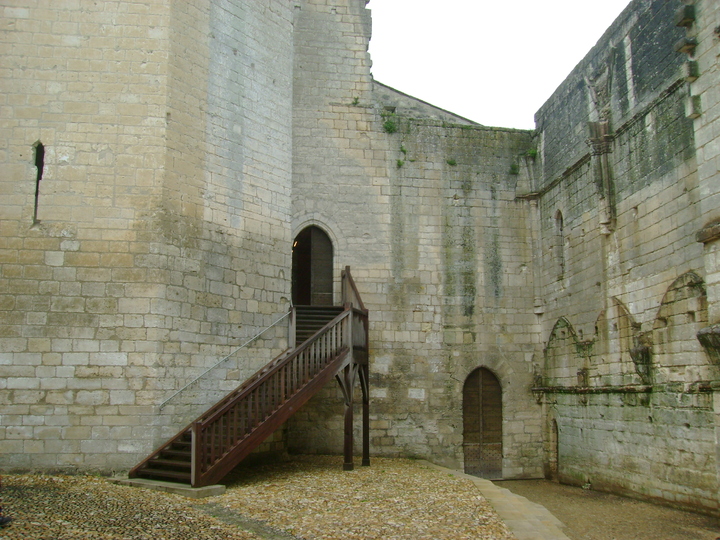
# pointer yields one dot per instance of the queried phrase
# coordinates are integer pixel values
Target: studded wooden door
(482, 424)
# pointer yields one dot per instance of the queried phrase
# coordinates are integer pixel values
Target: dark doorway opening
(554, 461)
(312, 268)
(482, 424)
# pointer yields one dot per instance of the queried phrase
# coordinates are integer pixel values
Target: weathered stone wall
(704, 106)
(185, 145)
(627, 381)
(160, 240)
(409, 106)
(225, 205)
(703, 73)
(90, 86)
(442, 257)
(425, 214)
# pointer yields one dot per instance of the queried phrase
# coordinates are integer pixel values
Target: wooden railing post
(365, 386)
(344, 286)
(348, 383)
(195, 455)
(292, 328)
(348, 446)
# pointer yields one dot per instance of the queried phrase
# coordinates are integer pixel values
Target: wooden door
(482, 424)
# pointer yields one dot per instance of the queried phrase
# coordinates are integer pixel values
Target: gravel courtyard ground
(313, 498)
(591, 515)
(308, 497)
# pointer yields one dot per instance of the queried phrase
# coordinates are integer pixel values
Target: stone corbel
(709, 233)
(709, 338)
(686, 45)
(685, 16)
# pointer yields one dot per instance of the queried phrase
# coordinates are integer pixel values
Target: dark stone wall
(618, 198)
(636, 58)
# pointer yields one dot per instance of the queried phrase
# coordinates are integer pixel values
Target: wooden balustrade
(219, 436)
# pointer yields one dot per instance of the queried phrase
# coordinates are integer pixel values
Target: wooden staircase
(310, 319)
(330, 342)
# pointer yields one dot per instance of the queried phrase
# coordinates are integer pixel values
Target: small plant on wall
(389, 126)
(390, 123)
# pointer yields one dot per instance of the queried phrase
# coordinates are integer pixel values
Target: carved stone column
(600, 142)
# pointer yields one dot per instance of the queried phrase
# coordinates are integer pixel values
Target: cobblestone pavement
(312, 498)
(308, 497)
(591, 515)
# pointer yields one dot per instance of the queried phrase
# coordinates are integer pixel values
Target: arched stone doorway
(553, 467)
(482, 424)
(312, 268)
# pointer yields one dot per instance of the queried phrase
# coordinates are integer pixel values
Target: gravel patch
(309, 498)
(90, 508)
(313, 498)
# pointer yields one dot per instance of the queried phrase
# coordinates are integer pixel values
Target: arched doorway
(554, 461)
(312, 268)
(482, 424)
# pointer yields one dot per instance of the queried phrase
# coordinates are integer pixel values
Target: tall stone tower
(145, 213)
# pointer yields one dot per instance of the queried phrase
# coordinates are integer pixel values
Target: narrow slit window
(40, 166)
(560, 244)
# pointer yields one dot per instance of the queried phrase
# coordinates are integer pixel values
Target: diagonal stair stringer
(268, 426)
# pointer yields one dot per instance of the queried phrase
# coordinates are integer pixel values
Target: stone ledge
(625, 389)
(172, 487)
(709, 232)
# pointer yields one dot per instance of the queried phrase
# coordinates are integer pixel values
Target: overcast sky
(493, 62)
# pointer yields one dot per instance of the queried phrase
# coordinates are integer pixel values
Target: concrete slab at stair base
(172, 487)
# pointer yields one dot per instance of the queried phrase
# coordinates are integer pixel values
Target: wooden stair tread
(310, 319)
(177, 453)
(148, 472)
(169, 463)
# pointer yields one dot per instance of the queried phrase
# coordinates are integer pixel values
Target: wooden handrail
(267, 372)
(350, 292)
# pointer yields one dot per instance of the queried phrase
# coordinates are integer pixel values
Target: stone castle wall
(425, 214)
(628, 404)
(186, 144)
(160, 240)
